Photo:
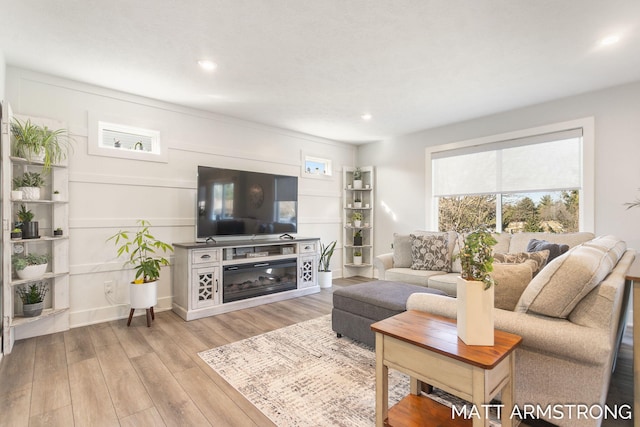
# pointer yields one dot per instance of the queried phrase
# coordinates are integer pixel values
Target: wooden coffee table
(427, 348)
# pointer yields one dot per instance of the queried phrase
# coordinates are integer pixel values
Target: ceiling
(316, 66)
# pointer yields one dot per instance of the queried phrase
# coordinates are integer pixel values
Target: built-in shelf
(46, 276)
(364, 194)
(48, 312)
(47, 238)
(21, 160)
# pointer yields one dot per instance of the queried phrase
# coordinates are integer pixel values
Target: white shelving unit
(50, 215)
(358, 200)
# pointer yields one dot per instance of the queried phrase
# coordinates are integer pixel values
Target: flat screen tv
(242, 203)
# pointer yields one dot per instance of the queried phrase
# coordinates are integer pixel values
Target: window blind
(549, 162)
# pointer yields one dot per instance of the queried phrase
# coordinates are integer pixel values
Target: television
(243, 203)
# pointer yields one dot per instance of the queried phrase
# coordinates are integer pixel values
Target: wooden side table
(633, 276)
(427, 348)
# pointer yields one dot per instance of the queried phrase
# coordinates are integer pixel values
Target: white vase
(475, 312)
(357, 260)
(357, 205)
(357, 223)
(56, 197)
(357, 184)
(32, 271)
(325, 279)
(30, 193)
(143, 295)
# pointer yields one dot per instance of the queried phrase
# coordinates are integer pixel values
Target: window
(526, 181)
(222, 201)
(316, 167)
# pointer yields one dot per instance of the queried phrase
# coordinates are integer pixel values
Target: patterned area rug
(302, 375)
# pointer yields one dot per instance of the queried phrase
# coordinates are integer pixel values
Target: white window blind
(549, 162)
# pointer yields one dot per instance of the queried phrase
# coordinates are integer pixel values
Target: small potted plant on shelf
(324, 266)
(475, 288)
(357, 202)
(357, 179)
(30, 266)
(29, 184)
(32, 297)
(57, 232)
(28, 226)
(357, 257)
(16, 234)
(56, 196)
(39, 143)
(141, 247)
(357, 217)
(357, 238)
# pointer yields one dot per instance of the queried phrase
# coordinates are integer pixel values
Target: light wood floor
(111, 375)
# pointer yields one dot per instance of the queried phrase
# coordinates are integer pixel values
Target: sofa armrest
(382, 263)
(557, 337)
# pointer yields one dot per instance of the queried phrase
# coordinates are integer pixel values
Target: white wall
(3, 71)
(400, 162)
(107, 194)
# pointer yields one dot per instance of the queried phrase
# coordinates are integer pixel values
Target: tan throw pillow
(566, 280)
(430, 253)
(540, 259)
(511, 280)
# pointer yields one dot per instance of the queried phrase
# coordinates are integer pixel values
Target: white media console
(214, 278)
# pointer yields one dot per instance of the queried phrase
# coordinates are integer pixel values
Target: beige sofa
(571, 317)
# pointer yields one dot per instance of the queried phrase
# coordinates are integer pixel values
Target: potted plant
(32, 297)
(29, 183)
(324, 265)
(28, 226)
(57, 232)
(357, 217)
(141, 247)
(357, 238)
(56, 197)
(39, 143)
(16, 194)
(357, 179)
(357, 202)
(30, 266)
(475, 290)
(16, 234)
(357, 257)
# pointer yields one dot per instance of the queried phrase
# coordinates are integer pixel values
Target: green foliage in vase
(32, 294)
(24, 214)
(28, 179)
(20, 262)
(326, 252)
(476, 256)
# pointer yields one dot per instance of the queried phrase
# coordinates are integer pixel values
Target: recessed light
(609, 40)
(366, 116)
(207, 65)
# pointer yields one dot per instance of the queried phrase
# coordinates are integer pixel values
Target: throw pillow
(566, 280)
(430, 253)
(555, 250)
(540, 259)
(511, 281)
(401, 251)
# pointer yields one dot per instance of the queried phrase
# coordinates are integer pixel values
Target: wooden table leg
(130, 316)
(508, 393)
(153, 315)
(382, 383)
(148, 317)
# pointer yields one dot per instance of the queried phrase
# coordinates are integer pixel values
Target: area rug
(302, 375)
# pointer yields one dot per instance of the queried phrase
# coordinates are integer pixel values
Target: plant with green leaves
(326, 252)
(32, 294)
(32, 141)
(357, 253)
(357, 174)
(28, 179)
(24, 214)
(141, 248)
(20, 262)
(476, 256)
(357, 216)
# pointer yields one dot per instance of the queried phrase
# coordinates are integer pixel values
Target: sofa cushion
(511, 279)
(555, 249)
(540, 259)
(562, 284)
(444, 282)
(430, 252)
(407, 275)
(402, 246)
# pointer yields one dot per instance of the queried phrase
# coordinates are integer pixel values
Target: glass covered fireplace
(244, 281)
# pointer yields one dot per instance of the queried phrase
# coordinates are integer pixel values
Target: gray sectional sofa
(571, 317)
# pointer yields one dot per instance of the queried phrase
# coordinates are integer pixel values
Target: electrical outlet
(108, 287)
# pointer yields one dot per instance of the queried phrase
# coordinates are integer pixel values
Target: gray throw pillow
(430, 252)
(401, 251)
(555, 250)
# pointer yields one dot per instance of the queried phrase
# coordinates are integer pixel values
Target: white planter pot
(325, 279)
(144, 295)
(475, 312)
(36, 157)
(357, 184)
(32, 271)
(357, 223)
(56, 197)
(357, 205)
(16, 195)
(30, 193)
(357, 260)
(32, 310)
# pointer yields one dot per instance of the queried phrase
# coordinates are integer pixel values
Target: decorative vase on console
(475, 289)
